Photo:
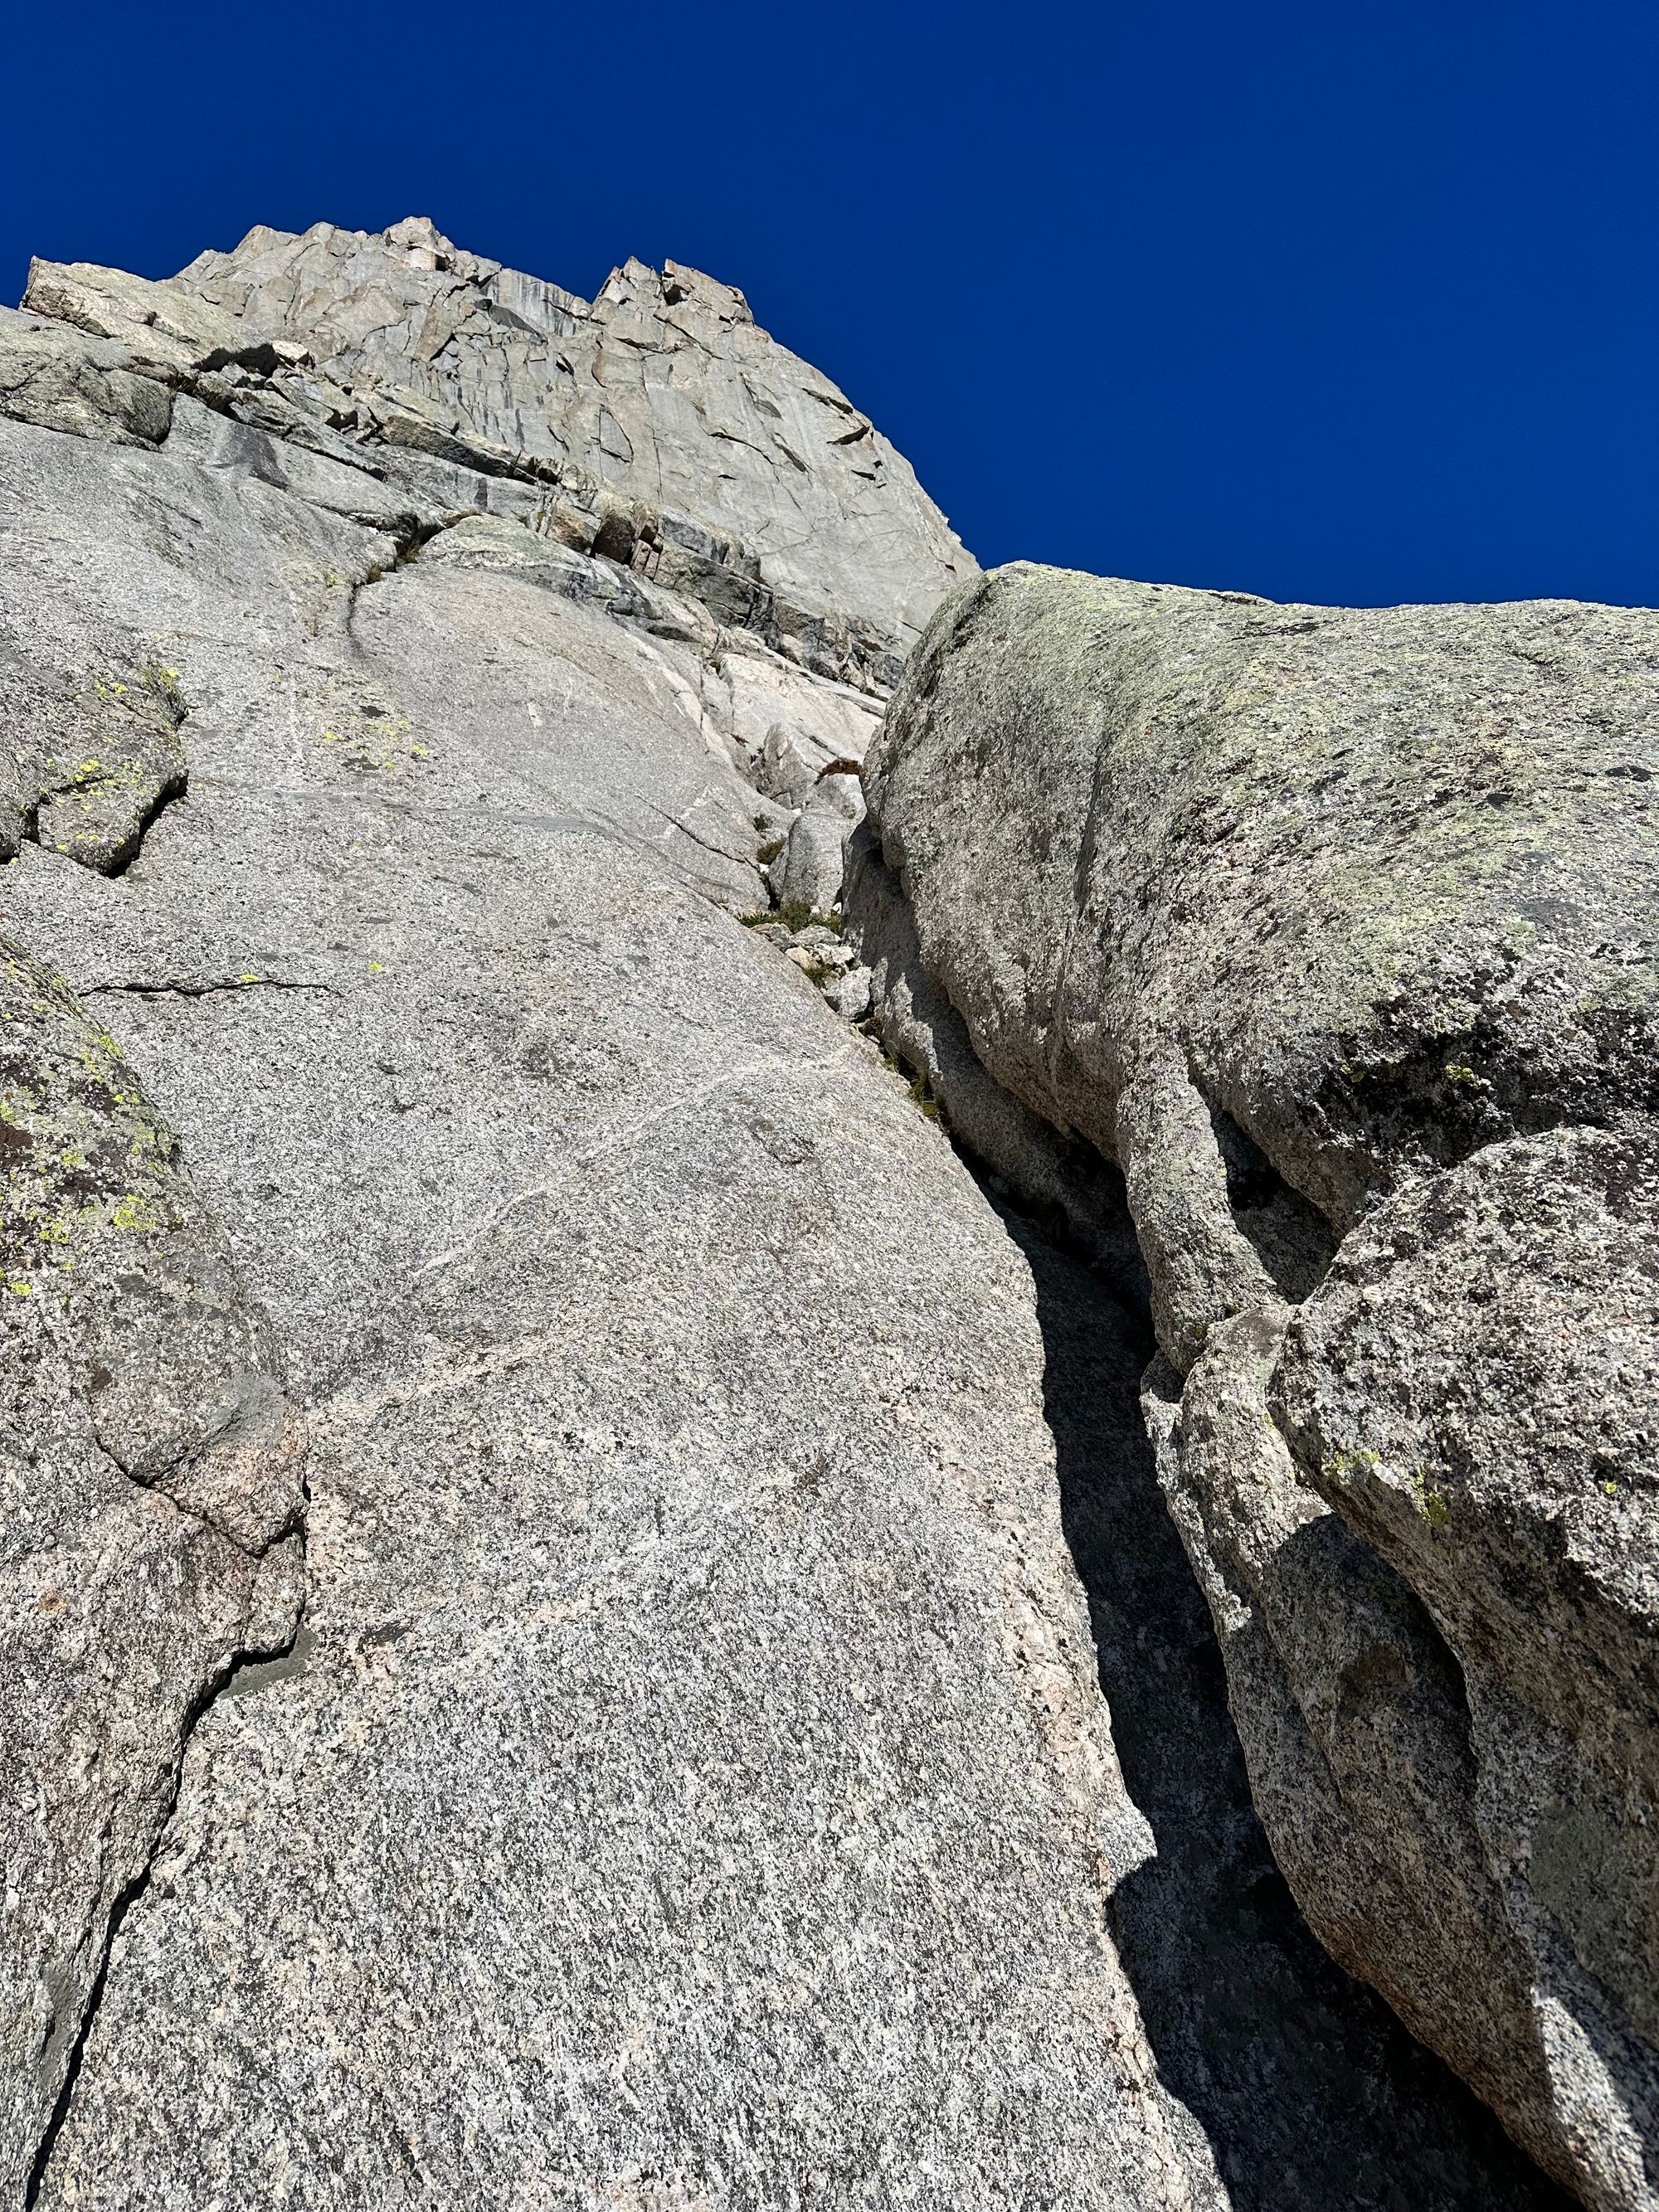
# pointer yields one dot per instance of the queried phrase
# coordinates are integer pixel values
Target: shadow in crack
(1312, 2094)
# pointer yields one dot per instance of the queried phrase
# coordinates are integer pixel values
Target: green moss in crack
(1432, 1504)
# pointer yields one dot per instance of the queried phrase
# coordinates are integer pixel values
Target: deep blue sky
(1314, 299)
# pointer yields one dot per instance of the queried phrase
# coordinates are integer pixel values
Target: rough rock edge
(237, 1666)
(269, 1466)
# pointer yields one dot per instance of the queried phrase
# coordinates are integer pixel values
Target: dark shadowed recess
(1312, 2094)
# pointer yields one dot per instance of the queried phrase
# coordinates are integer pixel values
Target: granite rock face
(686, 1779)
(1336, 930)
(563, 1556)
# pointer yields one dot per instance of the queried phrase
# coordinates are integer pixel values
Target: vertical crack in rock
(1291, 1238)
(156, 1498)
(1310, 2091)
(237, 1669)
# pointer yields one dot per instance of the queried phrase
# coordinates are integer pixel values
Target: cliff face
(565, 1561)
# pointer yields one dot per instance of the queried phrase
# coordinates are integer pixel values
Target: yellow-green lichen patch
(132, 1211)
(1431, 1503)
(83, 1155)
(364, 733)
(95, 800)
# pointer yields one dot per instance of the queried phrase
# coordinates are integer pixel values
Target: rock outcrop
(563, 1556)
(1337, 932)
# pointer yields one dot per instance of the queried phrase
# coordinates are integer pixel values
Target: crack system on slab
(129, 849)
(619, 1140)
(676, 824)
(245, 1660)
(221, 1680)
(206, 989)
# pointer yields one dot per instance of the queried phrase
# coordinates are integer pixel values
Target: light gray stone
(1279, 836)
(663, 387)
(792, 727)
(848, 992)
(98, 797)
(662, 1699)
(705, 454)
(92, 759)
(344, 485)
(1062, 1181)
(1472, 1388)
(806, 876)
(163, 326)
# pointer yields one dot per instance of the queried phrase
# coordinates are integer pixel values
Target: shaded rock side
(1060, 1180)
(55, 379)
(1335, 930)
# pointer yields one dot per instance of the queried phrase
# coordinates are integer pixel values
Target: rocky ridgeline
(589, 1619)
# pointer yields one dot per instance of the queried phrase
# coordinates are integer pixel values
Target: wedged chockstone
(1337, 930)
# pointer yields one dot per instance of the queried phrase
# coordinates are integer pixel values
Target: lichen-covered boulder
(1475, 1387)
(1372, 887)
(1338, 929)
